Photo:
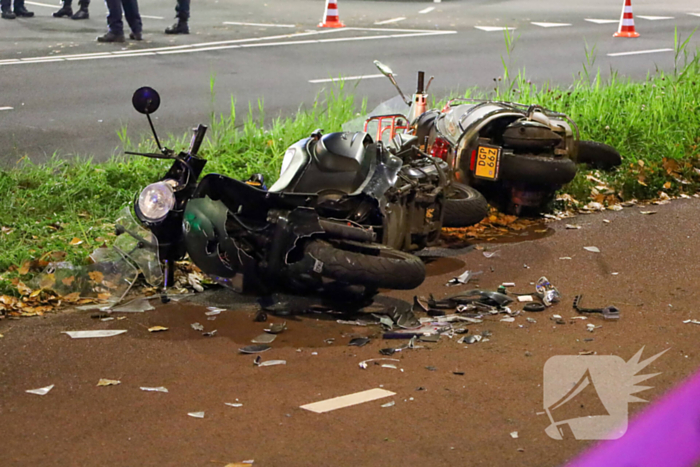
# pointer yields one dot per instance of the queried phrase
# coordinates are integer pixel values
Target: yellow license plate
(488, 159)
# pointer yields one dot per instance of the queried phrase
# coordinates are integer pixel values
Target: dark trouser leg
(114, 17)
(68, 3)
(131, 13)
(183, 10)
(82, 3)
(19, 4)
(5, 5)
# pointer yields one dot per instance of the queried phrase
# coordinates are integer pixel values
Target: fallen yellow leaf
(667, 185)
(76, 241)
(157, 329)
(23, 289)
(24, 269)
(96, 276)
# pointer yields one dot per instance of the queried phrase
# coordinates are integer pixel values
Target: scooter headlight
(156, 201)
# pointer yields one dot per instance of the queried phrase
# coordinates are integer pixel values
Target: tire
(372, 265)
(598, 155)
(540, 170)
(464, 206)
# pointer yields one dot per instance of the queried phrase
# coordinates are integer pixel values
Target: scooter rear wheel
(464, 206)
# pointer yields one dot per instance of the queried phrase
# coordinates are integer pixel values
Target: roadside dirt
(440, 418)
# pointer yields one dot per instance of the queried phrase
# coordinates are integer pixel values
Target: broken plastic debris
(233, 404)
(565, 258)
(91, 334)
(531, 320)
(465, 277)
(508, 320)
(108, 382)
(387, 365)
(691, 321)
(158, 389)
(590, 327)
(547, 292)
(215, 308)
(41, 391)
(389, 404)
(491, 254)
(359, 341)
(472, 339)
(264, 339)
(508, 284)
(138, 305)
(193, 279)
(525, 298)
(196, 414)
(363, 364)
(647, 213)
(276, 328)
(258, 362)
(514, 434)
(592, 249)
(157, 329)
(348, 400)
(197, 327)
(254, 348)
(212, 312)
(534, 307)
(209, 334)
(573, 227)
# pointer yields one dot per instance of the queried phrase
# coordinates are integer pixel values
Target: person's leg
(6, 7)
(82, 13)
(132, 15)
(65, 10)
(183, 14)
(21, 11)
(114, 22)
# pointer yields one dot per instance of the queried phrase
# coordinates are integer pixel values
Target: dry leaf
(157, 329)
(24, 269)
(667, 185)
(108, 382)
(71, 297)
(76, 241)
(641, 180)
(96, 276)
(68, 281)
(647, 213)
(23, 289)
(47, 281)
(104, 296)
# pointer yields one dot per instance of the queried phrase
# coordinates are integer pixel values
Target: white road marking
(231, 44)
(345, 78)
(392, 20)
(427, 10)
(494, 28)
(654, 18)
(261, 25)
(151, 17)
(57, 5)
(602, 21)
(694, 14)
(8, 108)
(551, 25)
(639, 52)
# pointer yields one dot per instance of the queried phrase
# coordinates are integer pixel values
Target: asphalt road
(461, 413)
(55, 102)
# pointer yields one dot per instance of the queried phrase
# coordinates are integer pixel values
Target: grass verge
(65, 209)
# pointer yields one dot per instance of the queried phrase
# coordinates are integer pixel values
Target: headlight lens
(156, 201)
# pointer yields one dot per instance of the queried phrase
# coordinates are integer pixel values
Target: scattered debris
(514, 435)
(608, 312)
(647, 213)
(359, 341)
(586, 352)
(157, 329)
(264, 339)
(258, 362)
(197, 327)
(508, 320)
(547, 292)
(137, 305)
(691, 321)
(471, 339)
(158, 389)
(260, 317)
(534, 307)
(508, 284)
(592, 249)
(212, 312)
(573, 227)
(465, 277)
(254, 348)
(108, 382)
(386, 365)
(209, 333)
(431, 368)
(276, 328)
(196, 414)
(525, 298)
(233, 404)
(565, 258)
(530, 320)
(389, 404)
(363, 364)
(491, 254)
(91, 334)
(590, 327)
(430, 337)
(348, 400)
(41, 391)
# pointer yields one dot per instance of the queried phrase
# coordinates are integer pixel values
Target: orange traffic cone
(332, 20)
(626, 28)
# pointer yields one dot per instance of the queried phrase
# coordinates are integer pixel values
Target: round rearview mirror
(386, 71)
(146, 100)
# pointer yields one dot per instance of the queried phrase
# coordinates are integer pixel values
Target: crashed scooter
(339, 215)
(517, 155)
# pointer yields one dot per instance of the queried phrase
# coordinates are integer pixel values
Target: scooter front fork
(168, 279)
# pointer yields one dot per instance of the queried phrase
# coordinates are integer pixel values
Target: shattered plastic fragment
(91, 334)
(41, 391)
(525, 298)
(157, 329)
(233, 404)
(565, 258)
(276, 328)
(254, 348)
(514, 435)
(389, 404)
(258, 362)
(359, 341)
(197, 327)
(465, 277)
(547, 292)
(691, 321)
(209, 334)
(158, 389)
(592, 249)
(212, 313)
(347, 400)
(387, 365)
(108, 382)
(196, 414)
(572, 227)
(647, 213)
(138, 305)
(508, 320)
(264, 339)
(363, 364)
(491, 254)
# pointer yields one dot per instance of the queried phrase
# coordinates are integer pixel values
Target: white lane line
(639, 52)
(392, 20)
(654, 18)
(57, 5)
(152, 17)
(8, 108)
(231, 44)
(551, 25)
(345, 78)
(261, 25)
(494, 28)
(602, 21)
(427, 10)
(694, 14)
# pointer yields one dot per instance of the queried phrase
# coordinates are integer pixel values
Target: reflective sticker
(318, 266)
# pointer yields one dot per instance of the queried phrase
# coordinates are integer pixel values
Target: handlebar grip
(421, 82)
(197, 139)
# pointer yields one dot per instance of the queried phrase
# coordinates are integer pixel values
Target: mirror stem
(396, 85)
(153, 129)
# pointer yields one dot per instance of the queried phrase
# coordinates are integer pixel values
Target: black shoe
(63, 12)
(81, 14)
(178, 28)
(111, 37)
(23, 12)
(136, 36)
(7, 14)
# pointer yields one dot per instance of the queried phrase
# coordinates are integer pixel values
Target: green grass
(651, 122)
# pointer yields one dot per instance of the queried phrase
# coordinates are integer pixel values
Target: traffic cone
(332, 20)
(626, 28)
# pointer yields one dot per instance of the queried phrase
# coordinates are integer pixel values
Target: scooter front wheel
(372, 265)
